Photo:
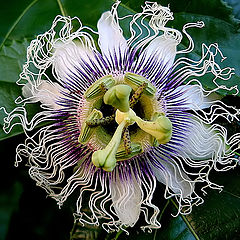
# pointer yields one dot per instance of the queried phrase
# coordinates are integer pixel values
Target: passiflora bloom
(122, 114)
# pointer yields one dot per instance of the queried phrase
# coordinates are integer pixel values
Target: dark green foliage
(25, 213)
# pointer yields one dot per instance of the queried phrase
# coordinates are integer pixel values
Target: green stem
(118, 234)
(73, 230)
(63, 12)
(186, 221)
(110, 235)
(17, 21)
(160, 217)
(72, 233)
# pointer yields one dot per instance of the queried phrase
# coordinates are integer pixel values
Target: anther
(98, 88)
(137, 94)
(101, 121)
(135, 80)
(103, 87)
(127, 141)
(87, 131)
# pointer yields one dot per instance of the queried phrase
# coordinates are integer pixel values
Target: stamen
(103, 87)
(135, 81)
(137, 94)
(101, 121)
(87, 131)
(97, 89)
(127, 141)
(136, 149)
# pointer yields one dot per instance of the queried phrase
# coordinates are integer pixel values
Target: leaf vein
(63, 11)
(17, 21)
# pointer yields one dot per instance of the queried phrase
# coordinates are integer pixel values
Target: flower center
(114, 119)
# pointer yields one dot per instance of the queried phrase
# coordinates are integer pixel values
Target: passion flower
(121, 116)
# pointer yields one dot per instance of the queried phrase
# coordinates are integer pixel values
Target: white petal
(173, 177)
(203, 142)
(192, 97)
(126, 196)
(68, 57)
(46, 92)
(111, 39)
(161, 49)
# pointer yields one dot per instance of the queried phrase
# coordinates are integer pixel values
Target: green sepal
(135, 80)
(87, 131)
(96, 89)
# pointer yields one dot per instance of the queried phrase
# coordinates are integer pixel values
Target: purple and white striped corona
(121, 115)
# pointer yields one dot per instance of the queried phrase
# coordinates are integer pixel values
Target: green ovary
(122, 96)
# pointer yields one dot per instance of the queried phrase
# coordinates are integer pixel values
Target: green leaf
(88, 11)
(220, 27)
(9, 15)
(12, 58)
(235, 4)
(218, 217)
(34, 18)
(175, 228)
(8, 93)
(215, 31)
